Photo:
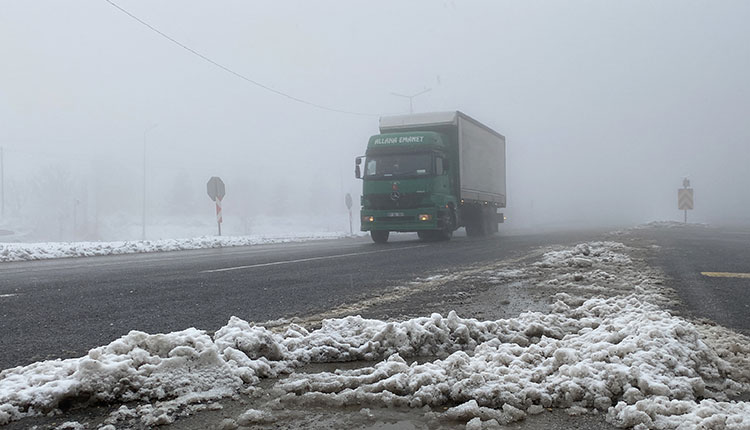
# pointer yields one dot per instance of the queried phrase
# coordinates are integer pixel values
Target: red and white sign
(218, 211)
(216, 190)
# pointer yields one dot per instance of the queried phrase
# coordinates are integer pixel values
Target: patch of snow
(71, 425)
(254, 416)
(584, 255)
(671, 224)
(620, 353)
(48, 250)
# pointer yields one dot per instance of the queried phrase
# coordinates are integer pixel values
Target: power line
(227, 69)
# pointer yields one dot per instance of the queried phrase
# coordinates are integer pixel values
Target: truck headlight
(368, 218)
(425, 217)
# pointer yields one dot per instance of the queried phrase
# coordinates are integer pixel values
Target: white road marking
(302, 260)
(726, 275)
(2, 296)
(138, 258)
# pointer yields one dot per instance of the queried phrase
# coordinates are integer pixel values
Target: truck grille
(384, 201)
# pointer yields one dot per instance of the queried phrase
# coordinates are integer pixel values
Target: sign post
(348, 201)
(216, 192)
(685, 197)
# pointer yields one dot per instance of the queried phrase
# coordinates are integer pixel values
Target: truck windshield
(398, 165)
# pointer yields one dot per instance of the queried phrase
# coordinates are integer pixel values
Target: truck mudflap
(500, 218)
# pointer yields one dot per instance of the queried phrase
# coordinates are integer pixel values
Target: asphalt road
(686, 253)
(62, 308)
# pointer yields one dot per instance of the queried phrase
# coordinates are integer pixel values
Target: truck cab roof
(397, 123)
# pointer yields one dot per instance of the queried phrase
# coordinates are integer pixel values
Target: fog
(606, 107)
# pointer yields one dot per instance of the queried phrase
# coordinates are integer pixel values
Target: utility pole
(685, 185)
(411, 98)
(348, 201)
(143, 220)
(76, 202)
(2, 185)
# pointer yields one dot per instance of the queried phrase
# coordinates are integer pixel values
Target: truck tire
(476, 224)
(472, 220)
(490, 221)
(379, 236)
(476, 227)
(449, 224)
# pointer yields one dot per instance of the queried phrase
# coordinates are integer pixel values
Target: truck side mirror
(357, 169)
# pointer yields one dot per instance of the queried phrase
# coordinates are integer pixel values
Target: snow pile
(621, 354)
(586, 255)
(49, 250)
(183, 366)
(618, 353)
(671, 224)
(71, 425)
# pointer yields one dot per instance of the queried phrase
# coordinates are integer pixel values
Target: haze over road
(62, 308)
(524, 282)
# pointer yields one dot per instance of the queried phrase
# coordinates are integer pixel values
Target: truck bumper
(403, 220)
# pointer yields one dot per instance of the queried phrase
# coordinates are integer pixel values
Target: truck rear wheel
(475, 223)
(379, 236)
(490, 221)
(481, 221)
(475, 228)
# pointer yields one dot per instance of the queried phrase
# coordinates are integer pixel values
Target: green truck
(432, 173)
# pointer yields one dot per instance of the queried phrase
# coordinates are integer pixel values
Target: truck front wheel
(379, 236)
(449, 224)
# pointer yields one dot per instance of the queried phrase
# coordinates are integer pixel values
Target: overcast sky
(606, 105)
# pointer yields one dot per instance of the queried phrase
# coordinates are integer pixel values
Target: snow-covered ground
(48, 250)
(606, 345)
(19, 243)
(671, 224)
(275, 231)
(171, 234)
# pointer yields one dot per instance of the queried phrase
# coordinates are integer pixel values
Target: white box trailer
(480, 151)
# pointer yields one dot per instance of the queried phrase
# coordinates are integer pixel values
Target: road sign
(685, 199)
(216, 191)
(215, 188)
